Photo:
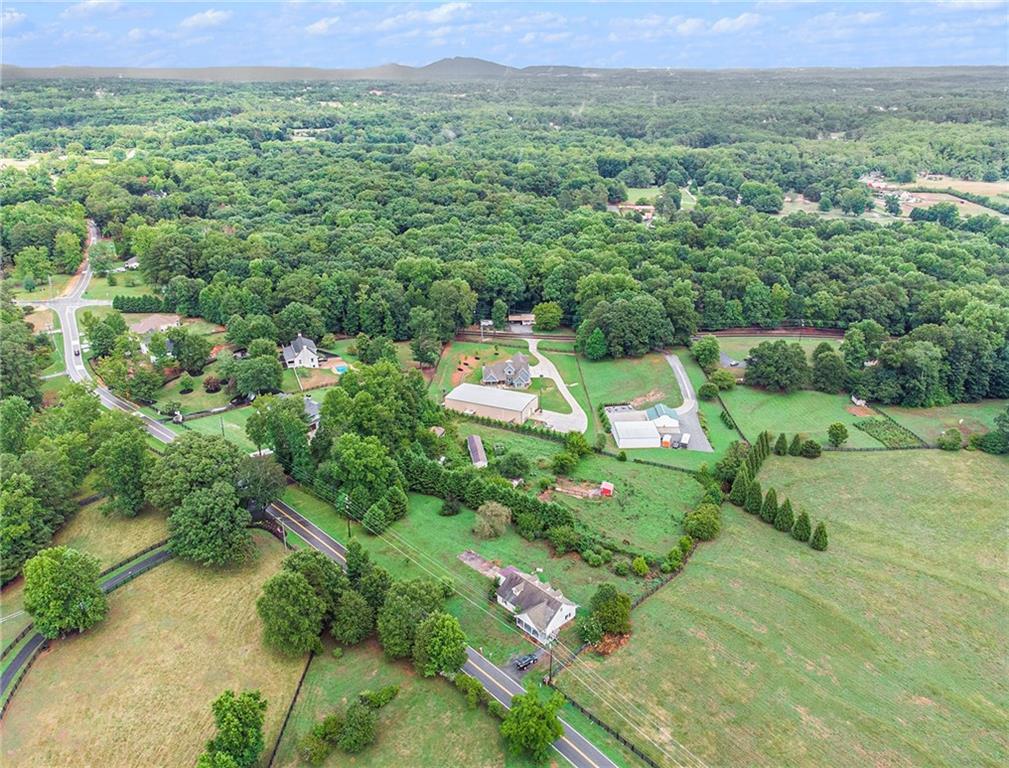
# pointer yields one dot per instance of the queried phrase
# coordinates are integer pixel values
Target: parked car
(523, 663)
(77, 352)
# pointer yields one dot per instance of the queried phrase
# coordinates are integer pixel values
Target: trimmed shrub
(754, 498)
(819, 540)
(381, 697)
(801, 530)
(785, 518)
(837, 434)
(781, 446)
(769, 509)
(622, 456)
(723, 380)
(811, 449)
(740, 487)
(450, 507)
(703, 523)
(622, 568)
(639, 566)
(950, 440)
(727, 419)
(564, 539)
(707, 391)
(795, 448)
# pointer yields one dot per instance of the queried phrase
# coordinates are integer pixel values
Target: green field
(738, 347)
(641, 381)
(110, 538)
(648, 503)
(807, 412)
(137, 689)
(230, 424)
(412, 727)
(427, 544)
(550, 397)
(57, 362)
(199, 399)
(647, 193)
(568, 366)
(929, 423)
(42, 290)
(888, 649)
(127, 284)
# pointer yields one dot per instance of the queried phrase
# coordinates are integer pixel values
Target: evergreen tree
(740, 486)
(595, 345)
(819, 540)
(754, 498)
(769, 509)
(795, 448)
(781, 447)
(800, 531)
(785, 518)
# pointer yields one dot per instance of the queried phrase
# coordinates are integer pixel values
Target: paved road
(576, 421)
(687, 413)
(66, 306)
(152, 560)
(578, 750)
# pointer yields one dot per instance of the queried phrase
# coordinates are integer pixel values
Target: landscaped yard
(550, 397)
(464, 361)
(412, 727)
(127, 284)
(137, 689)
(641, 381)
(807, 412)
(199, 399)
(229, 424)
(929, 423)
(887, 649)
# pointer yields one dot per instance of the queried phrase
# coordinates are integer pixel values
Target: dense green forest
(407, 210)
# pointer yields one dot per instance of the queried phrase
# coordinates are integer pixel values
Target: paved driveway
(576, 421)
(687, 413)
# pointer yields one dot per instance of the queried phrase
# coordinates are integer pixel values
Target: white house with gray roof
(540, 610)
(301, 353)
(513, 372)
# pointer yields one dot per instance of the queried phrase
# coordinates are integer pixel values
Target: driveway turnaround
(687, 413)
(576, 421)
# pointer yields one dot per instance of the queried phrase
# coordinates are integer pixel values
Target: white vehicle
(685, 440)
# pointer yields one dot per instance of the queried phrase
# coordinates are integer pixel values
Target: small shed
(476, 452)
(606, 488)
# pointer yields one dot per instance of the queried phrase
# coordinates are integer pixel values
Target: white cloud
(88, 7)
(970, 5)
(736, 24)
(204, 19)
(690, 26)
(11, 17)
(438, 15)
(323, 26)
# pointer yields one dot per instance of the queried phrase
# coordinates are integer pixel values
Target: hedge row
(147, 303)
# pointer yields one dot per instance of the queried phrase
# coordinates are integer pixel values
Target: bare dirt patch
(610, 643)
(467, 364)
(316, 377)
(41, 320)
(653, 396)
(860, 410)
(579, 490)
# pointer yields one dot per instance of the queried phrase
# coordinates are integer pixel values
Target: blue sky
(347, 34)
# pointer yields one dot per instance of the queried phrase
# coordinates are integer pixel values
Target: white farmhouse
(540, 611)
(300, 353)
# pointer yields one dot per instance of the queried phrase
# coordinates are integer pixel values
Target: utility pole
(346, 514)
(550, 673)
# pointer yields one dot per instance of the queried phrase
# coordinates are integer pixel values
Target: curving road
(578, 750)
(576, 421)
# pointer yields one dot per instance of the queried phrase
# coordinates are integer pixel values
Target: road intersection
(574, 747)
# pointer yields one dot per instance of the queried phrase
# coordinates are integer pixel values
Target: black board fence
(290, 709)
(609, 729)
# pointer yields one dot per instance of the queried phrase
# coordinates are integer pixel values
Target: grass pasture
(43, 290)
(413, 727)
(887, 649)
(807, 412)
(230, 424)
(127, 284)
(137, 689)
(463, 361)
(110, 538)
(550, 397)
(641, 381)
(738, 347)
(929, 423)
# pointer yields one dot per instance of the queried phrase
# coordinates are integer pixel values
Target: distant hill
(458, 68)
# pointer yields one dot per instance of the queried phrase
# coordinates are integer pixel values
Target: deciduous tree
(62, 591)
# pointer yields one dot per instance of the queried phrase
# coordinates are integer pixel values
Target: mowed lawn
(463, 361)
(127, 284)
(969, 418)
(738, 347)
(428, 723)
(807, 412)
(230, 424)
(886, 650)
(109, 537)
(641, 381)
(137, 689)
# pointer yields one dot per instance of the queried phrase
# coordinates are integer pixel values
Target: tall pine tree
(800, 531)
(769, 509)
(795, 449)
(740, 486)
(819, 540)
(785, 518)
(754, 498)
(781, 447)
